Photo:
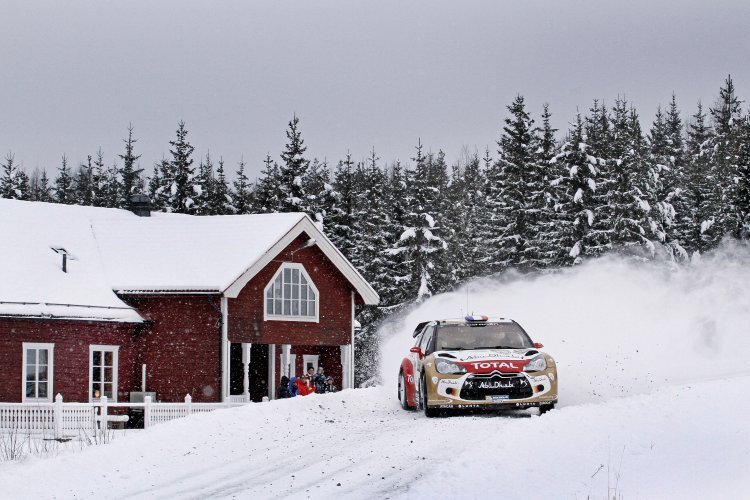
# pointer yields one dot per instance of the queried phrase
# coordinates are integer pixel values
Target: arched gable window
(291, 295)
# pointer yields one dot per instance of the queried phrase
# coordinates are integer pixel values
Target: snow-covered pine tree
(242, 197)
(40, 189)
(63, 189)
(598, 140)
(701, 194)
(203, 186)
(576, 201)
(180, 179)
(396, 269)
(84, 183)
(544, 199)
(422, 249)
(130, 174)
(341, 221)
(739, 192)
(98, 175)
(370, 223)
(727, 119)
(292, 170)
(156, 188)
(111, 187)
(666, 158)
(633, 228)
(515, 183)
(9, 179)
(221, 200)
(268, 194)
(317, 185)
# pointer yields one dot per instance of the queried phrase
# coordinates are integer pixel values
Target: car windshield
(481, 336)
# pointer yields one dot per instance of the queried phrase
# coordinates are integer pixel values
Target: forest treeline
(538, 200)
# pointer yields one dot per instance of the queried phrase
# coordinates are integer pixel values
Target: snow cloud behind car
(617, 328)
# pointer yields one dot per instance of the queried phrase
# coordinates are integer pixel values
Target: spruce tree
(221, 201)
(130, 175)
(268, 194)
(576, 199)
(242, 199)
(515, 182)
(397, 271)
(422, 248)
(64, 184)
(292, 170)
(9, 169)
(739, 192)
(629, 189)
(39, 188)
(203, 187)
(702, 194)
(666, 157)
(84, 183)
(341, 221)
(180, 198)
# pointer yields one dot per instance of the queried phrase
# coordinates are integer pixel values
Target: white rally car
(477, 362)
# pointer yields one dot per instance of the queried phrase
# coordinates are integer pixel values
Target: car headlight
(443, 366)
(536, 364)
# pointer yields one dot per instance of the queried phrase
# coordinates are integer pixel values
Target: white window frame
(50, 372)
(282, 317)
(312, 358)
(114, 349)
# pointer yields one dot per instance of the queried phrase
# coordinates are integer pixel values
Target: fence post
(103, 416)
(58, 416)
(188, 404)
(146, 412)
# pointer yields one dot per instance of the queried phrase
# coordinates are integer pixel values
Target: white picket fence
(60, 419)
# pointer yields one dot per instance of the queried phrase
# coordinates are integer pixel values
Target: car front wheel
(402, 392)
(428, 412)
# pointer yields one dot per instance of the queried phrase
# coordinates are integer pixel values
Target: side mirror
(538, 345)
(416, 350)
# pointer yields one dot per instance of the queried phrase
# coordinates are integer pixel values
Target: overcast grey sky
(359, 74)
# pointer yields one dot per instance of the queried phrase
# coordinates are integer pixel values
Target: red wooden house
(100, 301)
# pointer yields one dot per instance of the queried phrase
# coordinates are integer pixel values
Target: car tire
(428, 412)
(545, 408)
(402, 392)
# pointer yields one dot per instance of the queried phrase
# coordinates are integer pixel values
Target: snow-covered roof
(184, 253)
(113, 250)
(32, 283)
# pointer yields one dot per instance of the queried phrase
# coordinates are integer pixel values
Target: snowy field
(653, 366)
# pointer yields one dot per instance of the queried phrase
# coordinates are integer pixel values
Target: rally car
(477, 362)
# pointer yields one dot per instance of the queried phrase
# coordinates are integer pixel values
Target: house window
(291, 295)
(103, 371)
(38, 365)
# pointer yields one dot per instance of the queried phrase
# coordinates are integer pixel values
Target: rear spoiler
(419, 328)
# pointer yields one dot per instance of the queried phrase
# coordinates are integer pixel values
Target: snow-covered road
(689, 441)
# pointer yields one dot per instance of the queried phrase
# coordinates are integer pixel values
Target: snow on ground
(653, 367)
(687, 441)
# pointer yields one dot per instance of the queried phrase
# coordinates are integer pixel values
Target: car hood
(489, 360)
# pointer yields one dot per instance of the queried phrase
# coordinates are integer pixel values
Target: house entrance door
(258, 372)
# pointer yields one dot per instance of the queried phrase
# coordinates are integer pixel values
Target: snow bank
(614, 327)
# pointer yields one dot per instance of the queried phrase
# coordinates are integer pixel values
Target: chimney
(140, 205)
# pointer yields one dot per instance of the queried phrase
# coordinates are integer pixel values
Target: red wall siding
(71, 354)
(182, 347)
(246, 322)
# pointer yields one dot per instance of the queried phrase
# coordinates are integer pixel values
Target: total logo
(497, 365)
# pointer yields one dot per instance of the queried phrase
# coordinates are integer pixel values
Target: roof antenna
(64, 253)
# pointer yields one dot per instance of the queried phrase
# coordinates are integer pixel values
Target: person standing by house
(284, 388)
(319, 381)
(304, 386)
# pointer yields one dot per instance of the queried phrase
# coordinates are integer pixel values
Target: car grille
(514, 386)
